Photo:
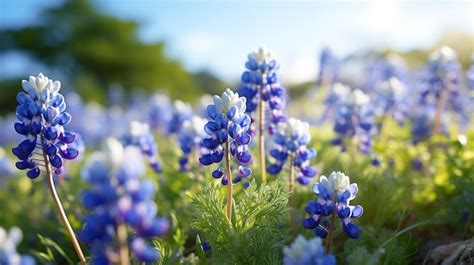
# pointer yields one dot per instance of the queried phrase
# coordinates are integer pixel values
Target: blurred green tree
(94, 50)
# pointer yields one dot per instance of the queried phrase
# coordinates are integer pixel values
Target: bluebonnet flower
(336, 96)
(328, 72)
(180, 112)
(334, 195)
(8, 244)
(291, 139)
(159, 112)
(390, 98)
(381, 69)
(442, 87)
(307, 252)
(140, 136)
(354, 121)
(422, 123)
(443, 74)
(416, 164)
(6, 169)
(261, 82)
(190, 140)
(205, 246)
(118, 196)
(42, 115)
(228, 126)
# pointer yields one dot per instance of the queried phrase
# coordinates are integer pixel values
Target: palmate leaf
(255, 235)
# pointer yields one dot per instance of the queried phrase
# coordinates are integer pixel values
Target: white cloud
(299, 69)
(197, 44)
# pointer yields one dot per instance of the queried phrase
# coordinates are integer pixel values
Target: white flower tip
(114, 151)
(261, 55)
(444, 54)
(15, 235)
(138, 128)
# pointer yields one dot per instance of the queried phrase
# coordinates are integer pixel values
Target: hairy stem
(331, 229)
(291, 188)
(439, 111)
(229, 182)
(59, 206)
(123, 246)
(261, 140)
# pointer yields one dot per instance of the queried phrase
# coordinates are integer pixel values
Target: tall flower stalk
(260, 85)
(290, 140)
(228, 137)
(42, 116)
(441, 87)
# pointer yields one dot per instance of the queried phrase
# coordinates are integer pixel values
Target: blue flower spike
(334, 196)
(260, 85)
(442, 89)
(141, 136)
(290, 143)
(190, 140)
(228, 136)
(120, 200)
(42, 115)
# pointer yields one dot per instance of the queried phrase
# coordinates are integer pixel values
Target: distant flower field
(374, 166)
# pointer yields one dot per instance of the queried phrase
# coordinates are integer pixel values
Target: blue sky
(217, 35)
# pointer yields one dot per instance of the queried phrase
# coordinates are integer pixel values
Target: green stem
(261, 141)
(59, 206)
(291, 188)
(439, 111)
(123, 246)
(229, 182)
(331, 229)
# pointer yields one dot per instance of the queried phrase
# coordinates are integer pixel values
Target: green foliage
(51, 250)
(255, 235)
(94, 50)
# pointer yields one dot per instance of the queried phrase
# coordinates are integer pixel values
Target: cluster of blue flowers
(228, 125)
(118, 196)
(180, 112)
(190, 140)
(328, 72)
(380, 69)
(141, 137)
(291, 139)
(354, 121)
(9, 241)
(159, 113)
(261, 81)
(422, 123)
(390, 99)
(442, 76)
(334, 196)
(442, 86)
(441, 89)
(307, 252)
(42, 115)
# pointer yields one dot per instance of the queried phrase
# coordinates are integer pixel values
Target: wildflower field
(373, 163)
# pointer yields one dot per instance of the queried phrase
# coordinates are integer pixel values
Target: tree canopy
(94, 50)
